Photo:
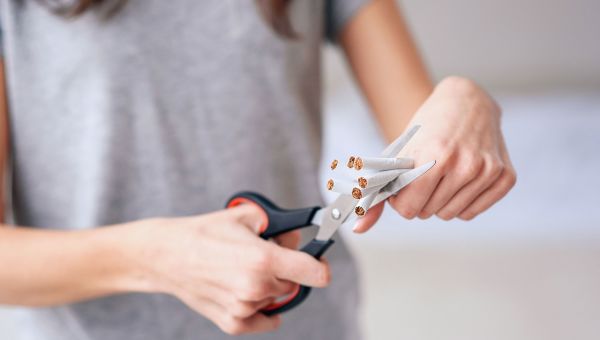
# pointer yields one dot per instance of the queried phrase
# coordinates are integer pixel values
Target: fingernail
(356, 227)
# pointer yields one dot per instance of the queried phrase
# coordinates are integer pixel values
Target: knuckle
(495, 167)
(471, 164)
(511, 177)
(406, 210)
(252, 290)
(260, 259)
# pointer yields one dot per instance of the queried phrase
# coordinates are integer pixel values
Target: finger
(244, 309)
(299, 267)
(410, 201)
(366, 222)
(289, 240)
(260, 305)
(250, 215)
(490, 196)
(281, 287)
(490, 173)
(257, 323)
(463, 172)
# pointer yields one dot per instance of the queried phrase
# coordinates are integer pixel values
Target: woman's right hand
(218, 266)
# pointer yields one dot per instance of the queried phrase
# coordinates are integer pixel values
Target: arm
(52, 267)
(390, 71)
(215, 263)
(461, 122)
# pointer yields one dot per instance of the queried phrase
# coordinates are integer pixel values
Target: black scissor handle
(278, 221)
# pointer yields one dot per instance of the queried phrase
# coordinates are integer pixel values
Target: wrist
(125, 255)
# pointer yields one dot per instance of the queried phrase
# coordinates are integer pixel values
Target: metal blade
(403, 180)
(333, 216)
(393, 149)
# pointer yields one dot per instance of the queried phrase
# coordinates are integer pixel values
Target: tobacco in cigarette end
(351, 161)
(356, 193)
(330, 184)
(360, 211)
(362, 182)
(334, 164)
(358, 163)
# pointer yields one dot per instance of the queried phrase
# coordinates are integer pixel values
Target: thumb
(299, 267)
(365, 223)
(251, 215)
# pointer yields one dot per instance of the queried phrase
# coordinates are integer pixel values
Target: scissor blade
(393, 149)
(329, 220)
(403, 180)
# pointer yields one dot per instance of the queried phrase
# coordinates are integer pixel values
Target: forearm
(50, 267)
(3, 137)
(386, 64)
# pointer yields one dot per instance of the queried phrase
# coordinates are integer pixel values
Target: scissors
(328, 219)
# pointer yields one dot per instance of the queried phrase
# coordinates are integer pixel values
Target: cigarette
(364, 205)
(330, 184)
(378, 163)
(359, 193)
(380, 178)
(362, 182)
(341, 187)
(351, 161)
(334, 164)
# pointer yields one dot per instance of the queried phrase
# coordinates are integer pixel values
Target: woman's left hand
(461, 131)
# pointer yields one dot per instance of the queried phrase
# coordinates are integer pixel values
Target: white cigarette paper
(380, 178)
(379, 163)
(341, 187)
(364, 204)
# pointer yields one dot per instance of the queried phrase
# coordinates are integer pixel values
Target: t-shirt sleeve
(1, 39)
(338, 13)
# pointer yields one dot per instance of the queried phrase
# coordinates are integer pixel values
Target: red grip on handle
(284, 302)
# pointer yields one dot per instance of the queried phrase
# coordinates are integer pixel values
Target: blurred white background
(529, 268)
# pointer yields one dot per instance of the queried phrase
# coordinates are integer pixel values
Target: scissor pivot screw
(336, 214)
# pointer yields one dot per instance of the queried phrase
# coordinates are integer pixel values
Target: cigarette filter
(364, 204)
(351, 161)
(359, 193)
(379, 163)
(334, 164)
(380, 178)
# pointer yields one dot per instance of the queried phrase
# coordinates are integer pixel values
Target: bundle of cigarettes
(373, 174)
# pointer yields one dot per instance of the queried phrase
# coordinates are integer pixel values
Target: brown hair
(274, 12)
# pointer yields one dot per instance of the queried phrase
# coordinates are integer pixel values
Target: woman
(144, 116)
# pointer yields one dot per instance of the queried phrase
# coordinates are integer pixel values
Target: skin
(461, 122)
(215, 263)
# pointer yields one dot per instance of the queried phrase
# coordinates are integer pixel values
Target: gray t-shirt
(166, 108)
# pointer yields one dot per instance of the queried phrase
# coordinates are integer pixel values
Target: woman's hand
(219, 267)
(461, 131)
